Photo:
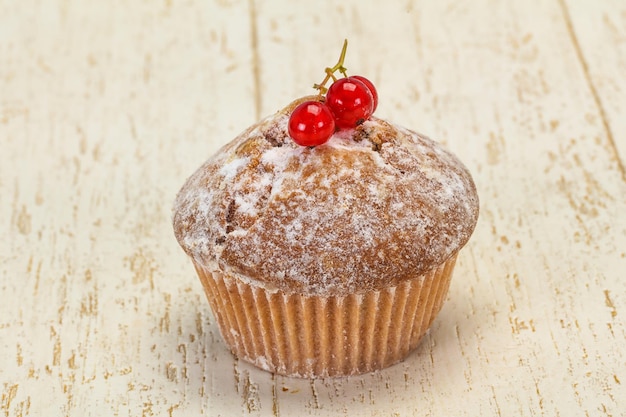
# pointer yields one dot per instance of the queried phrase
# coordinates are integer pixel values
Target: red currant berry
(311, 124)
(350, 101)
(371, 87)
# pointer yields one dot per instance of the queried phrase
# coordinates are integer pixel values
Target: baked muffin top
(371, 207)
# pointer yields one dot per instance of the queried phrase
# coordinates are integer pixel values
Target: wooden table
(107, 106)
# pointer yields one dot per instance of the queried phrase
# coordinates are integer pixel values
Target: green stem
(330, 72)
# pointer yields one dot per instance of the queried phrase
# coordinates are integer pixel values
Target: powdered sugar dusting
(231, 169)
(370, 208)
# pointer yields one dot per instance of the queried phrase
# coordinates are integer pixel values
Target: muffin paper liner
(315, 336)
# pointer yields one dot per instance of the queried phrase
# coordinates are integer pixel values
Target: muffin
(328, 260)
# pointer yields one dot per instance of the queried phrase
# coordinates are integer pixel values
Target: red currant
(311, 123)
(350, 101)
(371, 87)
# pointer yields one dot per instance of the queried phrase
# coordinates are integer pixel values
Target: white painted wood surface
(107, 106)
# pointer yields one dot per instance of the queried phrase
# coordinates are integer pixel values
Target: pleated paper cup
(313, 336)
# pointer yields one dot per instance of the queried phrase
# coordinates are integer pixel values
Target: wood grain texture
(598, 32)
(106, 107)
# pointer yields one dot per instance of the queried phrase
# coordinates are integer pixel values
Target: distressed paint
(106, 107)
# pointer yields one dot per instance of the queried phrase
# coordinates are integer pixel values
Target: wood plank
(598, 32)
(105, 108)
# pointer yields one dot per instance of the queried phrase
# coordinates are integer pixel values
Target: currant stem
(342, 56)
(330, 72)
